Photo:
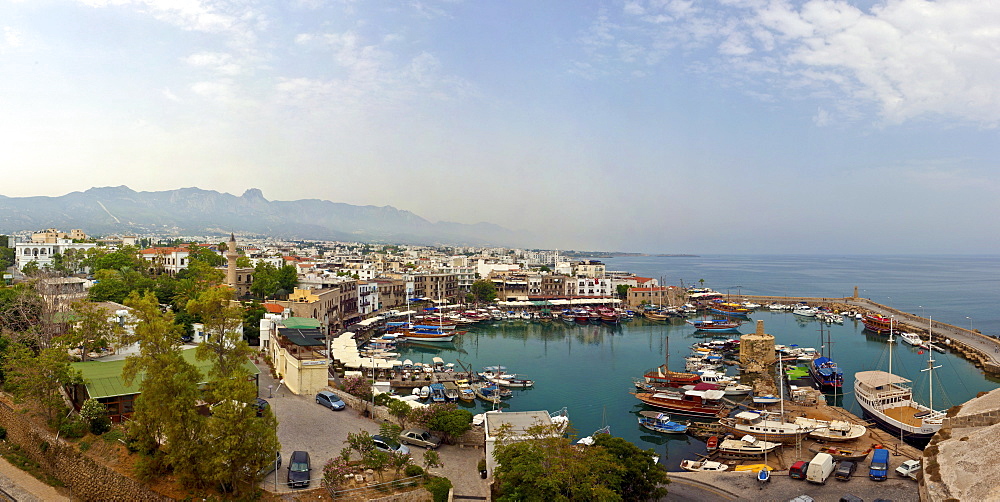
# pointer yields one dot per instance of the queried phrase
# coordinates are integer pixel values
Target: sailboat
(888, 399)
(759, 423)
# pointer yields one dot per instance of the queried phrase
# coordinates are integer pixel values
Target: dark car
(330, 400)
(272, 466)
(420, 437)
(798, 470)
(299, 469)
(260, 405)
(845, 470)
(384, 444)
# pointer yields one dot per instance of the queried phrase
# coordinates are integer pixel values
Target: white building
(368, 301)
(41, 253)
(516, 424)
(167, 259)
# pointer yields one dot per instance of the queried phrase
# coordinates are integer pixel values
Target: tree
(126, 257)
(206, 255)
(447, 418)
(30, 269)
(401, 410)
(622, 290)
(265, 280)
(223, 319)
(196, 278)
(484, 291)
(288, 277)
(39, 377)
(241, 442)
(92, 329)
(165, 409)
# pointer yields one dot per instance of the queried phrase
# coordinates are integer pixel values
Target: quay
(982, 350)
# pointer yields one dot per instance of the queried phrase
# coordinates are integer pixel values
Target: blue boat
(660, 422)
(437, 393)
(826, 374)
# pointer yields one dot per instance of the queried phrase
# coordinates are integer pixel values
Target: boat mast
(930, 364)
(890, 344)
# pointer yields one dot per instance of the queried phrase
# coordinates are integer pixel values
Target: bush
(3, 433)
(439, 488)
(72, 428)
(100, 425)
(413, 470)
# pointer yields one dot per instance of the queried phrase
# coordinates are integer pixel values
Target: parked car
(420, 437)
(384, 444)
(798, 470)
(272, 466)
(260, 405)
(330, 400)
(909, 468)
(845, 470)
(299, 470)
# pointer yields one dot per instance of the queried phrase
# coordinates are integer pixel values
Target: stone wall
(87, 478)
(983, 419)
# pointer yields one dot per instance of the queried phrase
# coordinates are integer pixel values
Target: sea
(588, 369)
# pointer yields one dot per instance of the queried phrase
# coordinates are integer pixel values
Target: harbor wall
(982, 350)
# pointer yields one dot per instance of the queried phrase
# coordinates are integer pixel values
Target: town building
(42, 253)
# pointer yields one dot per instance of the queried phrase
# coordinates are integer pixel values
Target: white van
(820, 468)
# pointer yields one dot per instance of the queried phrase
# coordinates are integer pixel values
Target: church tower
(231, 256)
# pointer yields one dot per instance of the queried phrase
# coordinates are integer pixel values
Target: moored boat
(843, 453)
(660, 422)
(877, 323)
(715, 325)
(703, 465)
(705, 403)
(835, 430)
(826, 373)
(753, 423)
(746, 447)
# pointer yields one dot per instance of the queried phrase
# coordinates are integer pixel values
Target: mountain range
(194, 211)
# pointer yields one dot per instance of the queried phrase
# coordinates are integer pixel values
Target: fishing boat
(661, 376)
(450, 391)
(843, 453)
(428, 335)
(746, 447)
(465, 392)
(705, 403)
(758, 424)
(826, 373)
(703, 466)
(765, 399)
(715, 325)
(877, 323)
(660, 422)
(712, 443)
(833, 430)
(888, 399)
(437, 393)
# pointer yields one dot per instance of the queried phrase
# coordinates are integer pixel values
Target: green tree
(196, 278)
(243, 262)
(401, 410)
(288, 277)
(265, 280)
(640, 478)
(93, 329)
(447, 418)
(484, 291)
(206, 255)
(241, 442)
(30, 269)
(126, 257)
(622, 290)
(111, 285)
(224, 344)
(165, 421)
(6, 257)
(40, 376)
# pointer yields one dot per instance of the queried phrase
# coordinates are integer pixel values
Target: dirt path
(18, 485)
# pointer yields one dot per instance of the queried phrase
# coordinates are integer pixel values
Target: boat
(746, 447)
(661, 376)
(589, 440)
(826, 374)
(428, 335)
(712, 443)
(450, 391)
(752, 468)
(843, 453)
(660, 422)
(765, 399)
(715, 325)
(911, 338)
(834, 430)
(425, 392)
(737, 389)
(877, 323)
(437, 393)
(465, 392)
(805, 311)
(416, 391)
(888, 400)
(703, 466)
(758, 424)
(705, 403)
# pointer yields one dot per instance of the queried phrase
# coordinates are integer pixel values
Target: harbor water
(589, 368)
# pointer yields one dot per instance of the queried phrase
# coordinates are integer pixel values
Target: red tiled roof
(164, 250)
(273, 308)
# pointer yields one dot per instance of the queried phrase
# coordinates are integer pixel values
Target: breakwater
(980, 349)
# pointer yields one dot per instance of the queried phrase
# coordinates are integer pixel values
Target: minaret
(231, 256)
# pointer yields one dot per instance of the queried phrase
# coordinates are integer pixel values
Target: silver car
(420, 437)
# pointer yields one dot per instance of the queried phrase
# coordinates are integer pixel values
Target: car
(849, 497)
(909, 468)
(330, 400)
(272, 466)
(845, 470)
(384, 444)
(299, 470)
(798, 470)
(260, 405)
(420, 437)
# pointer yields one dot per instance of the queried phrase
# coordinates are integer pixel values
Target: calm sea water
(589, 368)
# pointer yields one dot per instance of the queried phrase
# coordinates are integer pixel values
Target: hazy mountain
(193, 211)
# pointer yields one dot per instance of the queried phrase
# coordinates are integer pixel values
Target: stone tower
(231, 256)
(757, 350)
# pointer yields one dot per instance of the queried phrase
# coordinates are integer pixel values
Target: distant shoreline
(616, 254)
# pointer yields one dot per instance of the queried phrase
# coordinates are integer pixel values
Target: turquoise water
(589, 368)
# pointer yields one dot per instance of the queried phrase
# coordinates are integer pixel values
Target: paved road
(20, 486)
(307, 426)
(711, 487)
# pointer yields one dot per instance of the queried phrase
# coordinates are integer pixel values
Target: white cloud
(908, 58)
(12, 38)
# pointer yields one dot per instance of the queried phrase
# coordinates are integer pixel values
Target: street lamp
(970, 322)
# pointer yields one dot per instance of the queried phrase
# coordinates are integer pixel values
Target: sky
(659, 126)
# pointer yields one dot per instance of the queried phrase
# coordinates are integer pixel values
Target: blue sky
(658, 126)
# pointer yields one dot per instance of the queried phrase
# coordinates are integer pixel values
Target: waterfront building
(593, 269)
(436, 286)
(653, 295)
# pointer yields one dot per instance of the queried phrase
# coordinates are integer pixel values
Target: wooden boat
(704, 403)
(465, 392)
(836, 430)
(655, 315)
(749, 422)
(844, 453)
(747, 447)
(703, 465)
(826, 373)
(877, 323)
(712, 443)
(660, 422)
(715, 325)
